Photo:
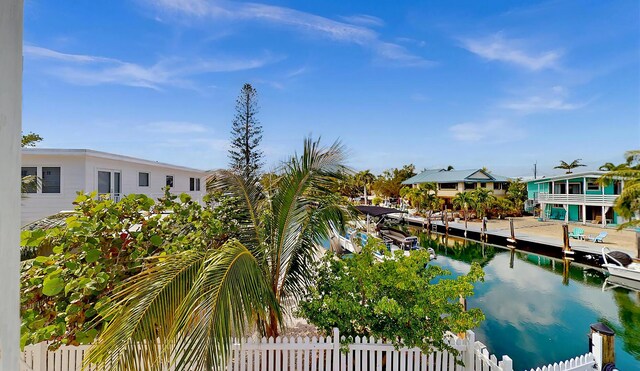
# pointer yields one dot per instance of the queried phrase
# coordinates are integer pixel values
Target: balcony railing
(561, 198)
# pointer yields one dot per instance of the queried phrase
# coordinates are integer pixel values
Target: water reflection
(539, 309)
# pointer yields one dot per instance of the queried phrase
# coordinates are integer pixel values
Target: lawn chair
(577, 233)
(598, 238)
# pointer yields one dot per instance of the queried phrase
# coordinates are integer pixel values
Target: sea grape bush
(102, 244)
(402, 299)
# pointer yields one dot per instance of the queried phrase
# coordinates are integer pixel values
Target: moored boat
(619, 264)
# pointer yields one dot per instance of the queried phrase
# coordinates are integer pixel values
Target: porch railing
(561, 198)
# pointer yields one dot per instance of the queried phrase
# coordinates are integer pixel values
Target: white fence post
(471, 340)
(506, 364)
(336, 349)
(40, 351)
(596, 343)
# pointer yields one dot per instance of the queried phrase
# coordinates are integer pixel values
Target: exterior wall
(79, 173)
(39, 205)
(11, 12)
(157, 177)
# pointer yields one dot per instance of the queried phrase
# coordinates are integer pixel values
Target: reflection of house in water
(459, 249)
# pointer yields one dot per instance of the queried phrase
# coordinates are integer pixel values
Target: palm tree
(365, 179)
(568, 166)
(185, 307)
(449, 168)
(464, 201)
(628, 202)
(611, 167)
(482, 199)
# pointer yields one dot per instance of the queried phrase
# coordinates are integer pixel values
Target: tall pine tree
(246, 134)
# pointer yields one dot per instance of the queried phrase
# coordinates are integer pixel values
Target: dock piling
(601, 344)
(513, 231)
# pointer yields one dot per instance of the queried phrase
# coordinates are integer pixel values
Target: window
(30, 184)
(143, 179)
(50, 180)
(448, 185)
(169, 181)
(194, 184)
(483, 185)
(104, 182)
(500, 185)
(468, 185)
(575, 188)
(592, 185)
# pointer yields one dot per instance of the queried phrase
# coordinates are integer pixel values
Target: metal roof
(454, 176)
(100, 154)
(584, 174)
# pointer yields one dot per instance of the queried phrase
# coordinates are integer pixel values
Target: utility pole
(535, 170)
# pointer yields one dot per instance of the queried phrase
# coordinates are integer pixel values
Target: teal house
(575, 198)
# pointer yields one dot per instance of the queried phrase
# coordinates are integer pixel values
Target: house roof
(584, 174)
(455, 176)
(377, 210)
(100, 154)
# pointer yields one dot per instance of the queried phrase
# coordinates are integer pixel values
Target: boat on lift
(620, 264)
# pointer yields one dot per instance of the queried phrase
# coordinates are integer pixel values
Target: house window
(592, 185)
(50, 180)
(500, 185)
(194, 184)
(30, 184)
(468, 185)
(483, 185)
(143, 179)
(169, 181)
(448, 185)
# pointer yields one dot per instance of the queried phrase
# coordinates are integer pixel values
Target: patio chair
(599, 238)
(597, 220)
(577, 233)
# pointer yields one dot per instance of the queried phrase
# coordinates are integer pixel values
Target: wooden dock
(534, 243)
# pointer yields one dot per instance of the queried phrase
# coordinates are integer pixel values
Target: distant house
(63, 172)
(575, 197)
(452, 182)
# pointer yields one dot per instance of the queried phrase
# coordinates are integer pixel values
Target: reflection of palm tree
(629, 316)
(196, 300)
(569, 166)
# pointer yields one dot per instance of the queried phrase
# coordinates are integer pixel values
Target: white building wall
(72, 175)
(79, 172)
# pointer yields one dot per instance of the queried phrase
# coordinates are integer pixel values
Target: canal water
(537, 310)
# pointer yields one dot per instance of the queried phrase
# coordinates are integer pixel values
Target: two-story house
(452, 182)
(576, 197)
(61, 173)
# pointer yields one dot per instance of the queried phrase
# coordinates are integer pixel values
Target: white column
(584, 214)
(10, 128)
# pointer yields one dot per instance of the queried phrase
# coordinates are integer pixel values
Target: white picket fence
(324, 354)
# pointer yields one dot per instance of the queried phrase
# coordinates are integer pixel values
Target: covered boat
(619, 264)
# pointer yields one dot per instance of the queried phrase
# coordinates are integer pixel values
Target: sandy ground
(618, 240)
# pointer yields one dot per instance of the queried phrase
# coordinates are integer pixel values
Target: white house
(64, 172)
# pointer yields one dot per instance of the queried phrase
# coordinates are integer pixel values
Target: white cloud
(300, 21)
(491, 131)
(174, 127)
(95, 70)
(497, 48)
(363, 20)
(553, 100)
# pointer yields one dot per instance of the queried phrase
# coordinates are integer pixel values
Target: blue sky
(501, 84)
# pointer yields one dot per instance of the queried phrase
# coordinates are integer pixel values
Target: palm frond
(183, 311)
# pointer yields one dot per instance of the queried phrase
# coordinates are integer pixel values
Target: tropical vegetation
(568, 166)
(404, 300)
(627, 204)
(188, 304)
(464, 201)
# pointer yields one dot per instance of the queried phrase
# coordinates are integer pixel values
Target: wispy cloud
(363, 20)
(497, 48)
(553, 100)
(96, 70)
(173, 127)
(491, 131)
(300, 21)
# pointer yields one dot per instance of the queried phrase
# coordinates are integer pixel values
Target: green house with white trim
(576, 197)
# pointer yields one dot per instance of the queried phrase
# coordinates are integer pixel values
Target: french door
(110, 183)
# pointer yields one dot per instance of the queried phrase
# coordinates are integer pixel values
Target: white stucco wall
(10, 127)
(79, 172)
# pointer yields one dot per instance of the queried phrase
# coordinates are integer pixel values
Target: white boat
(619, 264)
